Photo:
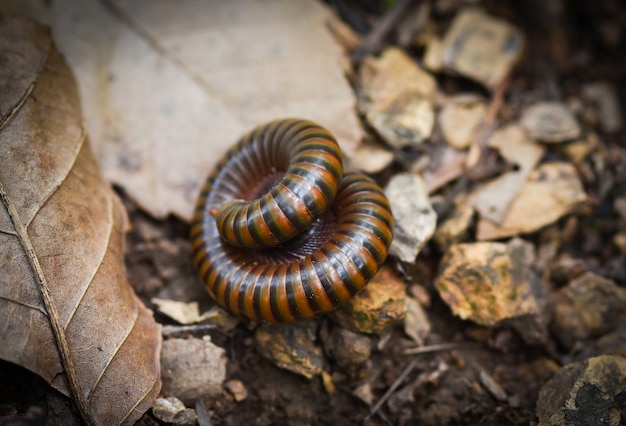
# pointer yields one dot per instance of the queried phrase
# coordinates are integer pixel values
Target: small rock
(181, 312)
(589, 307)
(364, 393)
(619, 206)
(371, 159)
(455, 228)
(328, 382)
(480, 47)
(578, 150)
(291, 347)
(550, 192)
(619, 240)
(585, 393)
(166, 409)
(415, 218)
(397, 98)
(565, 269)
(192, 369)
(416, 324)
(492, 284)
(379, 304)
(493, 199)
(237, 389)
(610, 344)
(187, 417)
(347, 348)
(460, 118)
(604, 95)
(550, 122)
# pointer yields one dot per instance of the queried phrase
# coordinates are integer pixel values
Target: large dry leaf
(167, 86)
(68, 312)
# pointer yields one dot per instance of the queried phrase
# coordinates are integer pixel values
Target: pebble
(347, 348)
(416, 324)
(493, 199)
(460, 118)
(550, 122)
(456, 227)
(589, 307)
(192, 368)
(415, 217)
(371, 159)
(492, 284)
(590, 392)
(397, 98)
(165, 409)
(478, 46)
(604, 95)
(551, 191)
(291, 347)
(237, 389)
(380, 304)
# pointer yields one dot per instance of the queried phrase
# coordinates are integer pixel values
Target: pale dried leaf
(168, 86)
(63, 288)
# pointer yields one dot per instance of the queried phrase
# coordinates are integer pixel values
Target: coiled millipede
(279, 234)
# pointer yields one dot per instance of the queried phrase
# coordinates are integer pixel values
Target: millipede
(280, 233)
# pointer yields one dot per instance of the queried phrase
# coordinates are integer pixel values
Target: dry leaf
(69, 313)
(167, 87)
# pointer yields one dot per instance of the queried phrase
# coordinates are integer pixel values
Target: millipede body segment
(279, 233)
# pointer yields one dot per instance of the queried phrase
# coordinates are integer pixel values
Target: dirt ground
(564, 51)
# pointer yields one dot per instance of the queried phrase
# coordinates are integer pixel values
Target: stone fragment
(480, 47)
(550, 122)
(492, 284)
(181, 312)
(397, 98)
(610, 344)
(328, 382)
(192, 369)
(187, 417)
(291, 347)
(371, 159)
(416, 324)
(454, 229)
(493, 199)
(414, 216)
(166, 409)
(380, 304)
(579, 149)
(587, 308)
(590, 392)
(347, 348)
(460, 118)
(551, 191)
(364, 393)
(604, 95)
(237, 389)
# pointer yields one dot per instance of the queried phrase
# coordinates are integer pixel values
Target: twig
(373, 41)
(409, 368)
(443, 347)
